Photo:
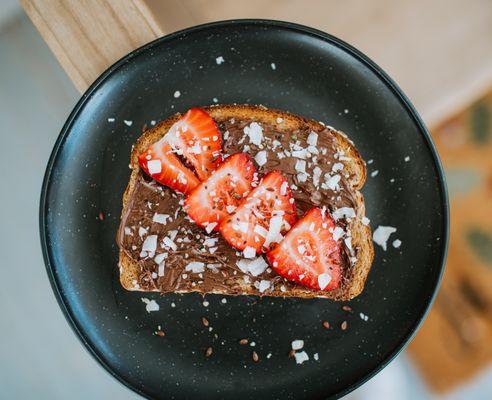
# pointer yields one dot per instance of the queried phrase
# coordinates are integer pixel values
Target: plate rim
(269, 23)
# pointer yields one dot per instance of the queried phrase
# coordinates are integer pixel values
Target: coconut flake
(150, 244)
(300, 166)
(337, 167)
(283, 188)
(312, 138)
(374, 173)
(160, 271)
(257, 266)
(151, 305)
(382, 234)
(254, 132)
(396, 243)
(297, 344)
(273, 66)
(160, 218)
(274, 228)
(316, 356)
(337, 233)
(177, 93)
(343, 212)
(154, 167)
(219, 60)
(316, 175)
(323, 281)
(159, 258)
(168, 242)
(210, 242)
(302, 154)
(254, 267)
(128, 123)
(260, 231)
(331, 182)
(261, 158)
(301, 357)
(196, 267)
(210, 227)
(264, 285)
(302, 177)
(249, 252)
(128, 231)
(365, 220)
(243, 265)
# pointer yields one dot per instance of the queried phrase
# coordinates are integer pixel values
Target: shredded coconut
(261, 158)
(255, 133)
(151, 305)
(297, 344)
(382, 234)
(323, 280)
(150, 244)
(343, 212)
(264, 285)
(196, 267)
(154, 167)
(301, 357)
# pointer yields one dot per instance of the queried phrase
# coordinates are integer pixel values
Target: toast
(136, 274)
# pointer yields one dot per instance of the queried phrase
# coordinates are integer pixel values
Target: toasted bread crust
(361, 234)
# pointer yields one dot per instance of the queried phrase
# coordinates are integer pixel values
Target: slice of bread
(285, 123)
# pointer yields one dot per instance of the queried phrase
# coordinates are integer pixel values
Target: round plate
(279, 65)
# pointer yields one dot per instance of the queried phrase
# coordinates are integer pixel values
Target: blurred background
(439, 52)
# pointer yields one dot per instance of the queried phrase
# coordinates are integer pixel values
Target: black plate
(317, 76)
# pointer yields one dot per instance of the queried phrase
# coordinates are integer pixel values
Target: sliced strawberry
(261, 219)
(308, 254)
(217, 197)
(160, 163)
(196, 137)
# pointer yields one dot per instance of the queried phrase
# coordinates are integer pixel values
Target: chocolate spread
(181, 242)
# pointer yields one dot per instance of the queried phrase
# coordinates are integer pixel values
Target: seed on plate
(326, 324)
(243, 341)
(347, 308)
(292, 353)
(208, 352)
(101, 216)
(205, 321)
(255, 357)
(343, 325)
(160, 333)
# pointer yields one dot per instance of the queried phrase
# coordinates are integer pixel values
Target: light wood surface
(437, 50)
(87, 36)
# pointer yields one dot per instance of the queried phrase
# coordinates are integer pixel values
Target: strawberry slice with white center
(218, 196)
(309, 254)
(161, 164)
(261, 219)
(197, 139)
